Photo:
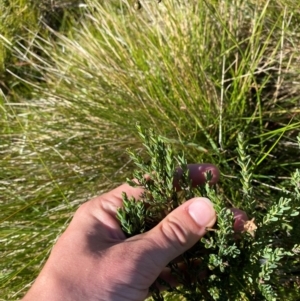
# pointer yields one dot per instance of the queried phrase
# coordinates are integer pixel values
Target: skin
(93, 260)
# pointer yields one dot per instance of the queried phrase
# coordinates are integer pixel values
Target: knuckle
(81, 210)
(174, 232)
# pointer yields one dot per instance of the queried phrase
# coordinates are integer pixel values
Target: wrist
(48, 288)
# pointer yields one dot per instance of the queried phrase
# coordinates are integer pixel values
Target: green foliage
(250, 265)
(132, 216)
(270, 263)
(75, 78)
(244, 162)
(161, 168)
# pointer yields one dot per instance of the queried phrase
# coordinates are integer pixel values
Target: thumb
(181, 229)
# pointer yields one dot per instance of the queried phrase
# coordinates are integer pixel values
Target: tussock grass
(198, 73)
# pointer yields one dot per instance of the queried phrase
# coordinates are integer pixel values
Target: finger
(240, 217)
(104, 207)
(178, 232)
(112, 200)
(197, 174)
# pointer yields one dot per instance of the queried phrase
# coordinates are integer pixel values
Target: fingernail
(202, 212)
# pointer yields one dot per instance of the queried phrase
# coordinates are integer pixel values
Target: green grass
(198, 73)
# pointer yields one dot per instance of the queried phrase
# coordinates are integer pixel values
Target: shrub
(260, 263)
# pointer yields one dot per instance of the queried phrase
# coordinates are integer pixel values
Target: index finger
(104, 207)
(197, 173)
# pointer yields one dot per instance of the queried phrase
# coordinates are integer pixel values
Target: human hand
(93, 260)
